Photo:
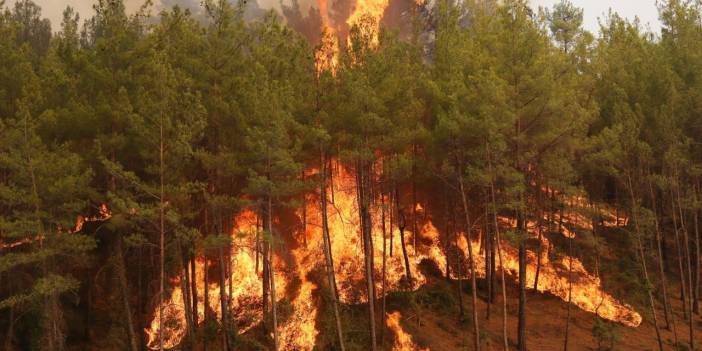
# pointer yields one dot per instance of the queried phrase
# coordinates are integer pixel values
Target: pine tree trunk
(10, 334)
(538, 257)
(226, 325)
(687, 255)
(471, 260)
(505, 343)
(401, 226)
(304, 212)
(493, 264)
(124, 289)
(185, 292)
(570, 291)
(266, 275)
(328, 253)
(678, 248)
(271, 270)
(257, 244)
(187, 306)
(459, 269)
(205, 295)
(642, 257)
(140, 293)
(661, 270)
(698, 252)
(447, 237)
(384, 275)
(415, 231)
(162, 236)
(193, 291)
(488, 270)
(363, 181)
(521, 331)
(391, 202)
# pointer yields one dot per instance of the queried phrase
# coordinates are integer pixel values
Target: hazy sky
(644, 9)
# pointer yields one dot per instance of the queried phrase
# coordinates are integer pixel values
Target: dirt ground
(545, 317)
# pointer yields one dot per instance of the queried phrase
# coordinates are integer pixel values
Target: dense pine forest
(360, 175)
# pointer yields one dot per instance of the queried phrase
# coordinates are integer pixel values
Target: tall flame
(372, 8)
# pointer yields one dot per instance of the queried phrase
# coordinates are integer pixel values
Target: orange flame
(403, 341)
(587, 293)
(298, 330)
(246, 303)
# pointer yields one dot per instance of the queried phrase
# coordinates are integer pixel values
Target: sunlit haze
(594, 9)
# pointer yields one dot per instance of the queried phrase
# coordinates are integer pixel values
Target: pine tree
(44, 189)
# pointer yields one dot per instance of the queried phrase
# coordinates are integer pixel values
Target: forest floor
(545, 316)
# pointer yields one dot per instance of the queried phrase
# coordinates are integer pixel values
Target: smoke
(399, 15)
(309, 24)
(304, 16)
(252, 8)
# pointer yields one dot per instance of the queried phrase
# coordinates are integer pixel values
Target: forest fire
(246, 301)
(349, 175)
(371, 8)
(403, 341)
(327, 54)
(103, 214)
(298, 331)
(553, 277)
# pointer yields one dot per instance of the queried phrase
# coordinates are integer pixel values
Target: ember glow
(298, 331)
